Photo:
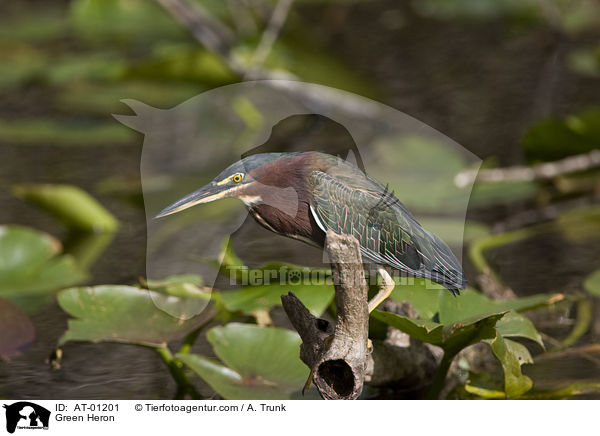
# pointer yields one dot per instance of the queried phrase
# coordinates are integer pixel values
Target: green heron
(302, 195)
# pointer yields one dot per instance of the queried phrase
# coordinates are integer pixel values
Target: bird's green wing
(388, 234)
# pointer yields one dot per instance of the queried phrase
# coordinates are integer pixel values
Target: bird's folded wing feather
(357, 205)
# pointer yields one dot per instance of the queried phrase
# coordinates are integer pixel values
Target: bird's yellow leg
(386, 289)
(311, 376)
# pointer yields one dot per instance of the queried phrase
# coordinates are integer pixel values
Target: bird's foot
(386, 289)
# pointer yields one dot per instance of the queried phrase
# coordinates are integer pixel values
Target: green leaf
(592, 284)
(249, 299)
(422, 294)
(256, 362)
(126, 314)
(264, 286)
(461, 334)
(554, 139)
(423, 330)
(30, 267)
(71, 205)
(471, 303)
(429, 299)
(451, 337)
(512, 355)
(515, 325)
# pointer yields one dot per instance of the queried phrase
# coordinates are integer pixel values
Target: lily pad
(256, 362)
(31, 267)
(71, 205)
(17, 331)
(126, 314)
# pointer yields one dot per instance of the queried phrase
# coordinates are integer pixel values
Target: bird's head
(242, 180)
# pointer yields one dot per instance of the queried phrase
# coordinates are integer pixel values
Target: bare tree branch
(268, 38)
(207, 30)
(544, 171)
(338, 356)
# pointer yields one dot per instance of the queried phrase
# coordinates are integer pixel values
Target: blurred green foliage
(553, 139)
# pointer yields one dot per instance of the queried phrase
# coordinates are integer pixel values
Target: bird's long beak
(210, 192)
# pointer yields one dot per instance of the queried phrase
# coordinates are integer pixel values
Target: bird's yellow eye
(237, 178)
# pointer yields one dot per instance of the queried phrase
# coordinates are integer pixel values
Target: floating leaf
(124, 314)
(30, 268)
(257, 362)
(71, 205)
(16, 330)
